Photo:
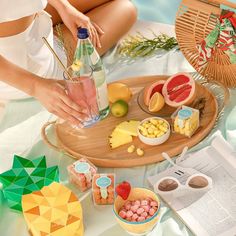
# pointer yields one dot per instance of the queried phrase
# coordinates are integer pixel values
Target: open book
(214, 212)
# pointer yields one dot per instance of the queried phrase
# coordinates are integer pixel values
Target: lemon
(120, 108)
(156, 103)
(118, 91)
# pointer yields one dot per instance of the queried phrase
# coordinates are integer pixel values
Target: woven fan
(194, 21)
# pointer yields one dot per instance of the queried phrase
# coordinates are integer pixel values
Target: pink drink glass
(83, 92)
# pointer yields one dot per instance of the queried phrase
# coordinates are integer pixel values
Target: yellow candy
(181, 131)
(150, 130)
(188, 133)
(154, 121)
(177, 129)
(141, 128)
(131, 149)
(187, 124)
(144, 133)
(162, 128)
(154, 128)
(156, 132)
(140, 152)
(165, 125)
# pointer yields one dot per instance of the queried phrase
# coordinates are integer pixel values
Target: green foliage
(140, 46)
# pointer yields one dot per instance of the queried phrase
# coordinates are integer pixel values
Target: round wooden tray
(93, 144)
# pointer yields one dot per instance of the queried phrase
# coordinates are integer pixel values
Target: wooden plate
(93, 144)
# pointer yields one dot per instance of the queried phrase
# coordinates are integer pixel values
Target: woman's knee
(129, 11)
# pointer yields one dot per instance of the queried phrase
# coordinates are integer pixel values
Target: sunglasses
(194, 182)
(182, 180)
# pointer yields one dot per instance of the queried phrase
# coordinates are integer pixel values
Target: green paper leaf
(25, 177)
(21, 162)
(41, 184)
(40, 162)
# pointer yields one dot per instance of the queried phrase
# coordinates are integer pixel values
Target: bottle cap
(82, 33)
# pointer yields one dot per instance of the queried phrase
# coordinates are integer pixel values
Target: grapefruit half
(179, 90)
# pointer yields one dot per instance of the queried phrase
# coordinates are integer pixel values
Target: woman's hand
(51, 94)
(74, 19)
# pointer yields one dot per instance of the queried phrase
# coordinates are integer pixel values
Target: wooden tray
(92, 143)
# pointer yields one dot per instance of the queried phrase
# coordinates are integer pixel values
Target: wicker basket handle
(219, 2)
(45, 137)
(49, 143)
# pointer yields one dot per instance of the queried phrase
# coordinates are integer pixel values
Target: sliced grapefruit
(179, 90)
(151, 89)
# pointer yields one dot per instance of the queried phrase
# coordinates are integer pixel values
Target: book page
(214, 212)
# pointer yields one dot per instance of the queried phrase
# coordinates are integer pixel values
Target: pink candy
(146, 208)
(138, 210)
(122, 214)
(137, 203)
(141, 218)
(144, 203)
(127, 207)
(153, 204)
(144, 214)
(134, 208)
(135, 217)
(152, 211)
(129, 214)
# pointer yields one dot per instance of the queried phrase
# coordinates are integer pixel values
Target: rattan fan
(195, 19)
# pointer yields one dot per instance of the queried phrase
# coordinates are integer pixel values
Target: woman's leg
(82, 5)
(114, 17)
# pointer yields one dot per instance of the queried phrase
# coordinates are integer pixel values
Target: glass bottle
(87, 54)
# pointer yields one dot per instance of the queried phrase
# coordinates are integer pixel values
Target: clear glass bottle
(87, 54)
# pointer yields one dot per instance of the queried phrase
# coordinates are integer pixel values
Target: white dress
(27, 49)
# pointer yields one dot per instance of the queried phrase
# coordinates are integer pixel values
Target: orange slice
(156, 103)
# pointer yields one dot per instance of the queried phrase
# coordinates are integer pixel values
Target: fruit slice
(77, 64)
(156, 103)
(118, 91)
(179, 90)
(129, 127)
(123, 189)
(151, 89)
(119, 108)
(118, 138)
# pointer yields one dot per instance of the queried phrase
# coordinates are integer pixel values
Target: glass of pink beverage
(82, 91)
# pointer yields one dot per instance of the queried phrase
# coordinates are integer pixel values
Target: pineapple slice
(129, 127)
(77, 64)
(118, 138)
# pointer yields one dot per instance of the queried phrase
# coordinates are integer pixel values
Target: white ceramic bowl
(154, 141)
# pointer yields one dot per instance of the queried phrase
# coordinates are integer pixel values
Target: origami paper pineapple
(25, 177)
(53, 211)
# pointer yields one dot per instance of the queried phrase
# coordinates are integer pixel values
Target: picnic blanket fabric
(223, 36)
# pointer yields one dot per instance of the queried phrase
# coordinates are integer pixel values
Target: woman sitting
(25, 61)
